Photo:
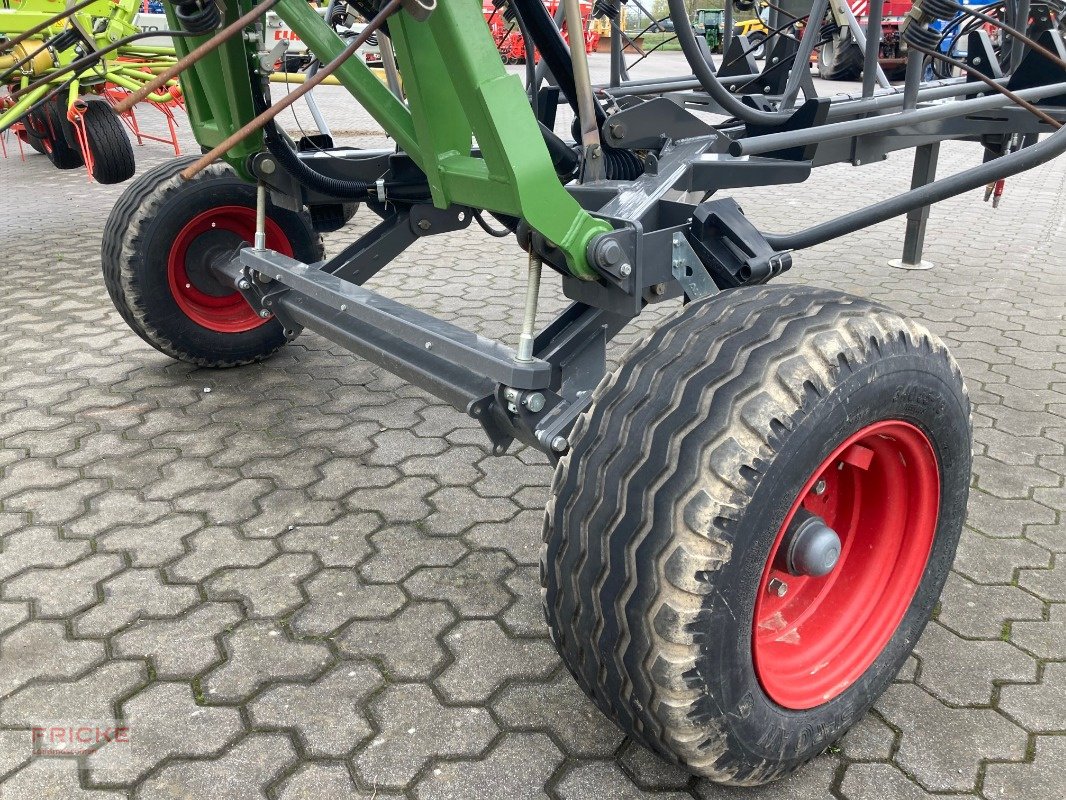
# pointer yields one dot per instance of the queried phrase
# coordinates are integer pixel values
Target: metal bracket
(689, 270)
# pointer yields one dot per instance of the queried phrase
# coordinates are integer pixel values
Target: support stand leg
(925, 162)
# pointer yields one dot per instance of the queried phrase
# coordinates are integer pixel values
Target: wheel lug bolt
(264, 313)
(777, 587)
(819, 488)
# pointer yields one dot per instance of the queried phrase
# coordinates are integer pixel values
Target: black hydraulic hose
(697, 60)
(1004, 167)
(553, 50)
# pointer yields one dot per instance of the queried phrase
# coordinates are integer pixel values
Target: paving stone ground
(313, 581)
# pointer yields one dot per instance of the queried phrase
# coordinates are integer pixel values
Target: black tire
(109, 146)
(61, 144)
(680, 478)
(36, 131)
(757, 38)
(149, 222)
(840, 61)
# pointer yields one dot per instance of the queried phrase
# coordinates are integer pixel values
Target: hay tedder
(62, 68)
(753, 516)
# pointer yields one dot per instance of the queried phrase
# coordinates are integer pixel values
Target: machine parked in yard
(753, 515)
(58, 81)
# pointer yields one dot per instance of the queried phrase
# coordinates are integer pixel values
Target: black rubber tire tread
(124, 250)
(648, 506)
(848, 63)
(111, 148)
(63, 154)
(33, 123)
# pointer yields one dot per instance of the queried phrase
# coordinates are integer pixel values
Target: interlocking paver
(182, 647)
(328, 713)
(413, 729)
(1041, 779)
(257, 653)
(164, 721)
(516, 769)
(407, 645)
(239, 773)
(943, 747)
(153, 536)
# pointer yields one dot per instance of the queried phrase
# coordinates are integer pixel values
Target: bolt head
(534, 401)
(609, 253)
(264, 313)
(244, 284)
(777, 587)
(267, 166)
(819, 488)
(560, 444)
(424, 224)
(625, 270)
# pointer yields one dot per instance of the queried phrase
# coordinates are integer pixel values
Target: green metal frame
(458, 94)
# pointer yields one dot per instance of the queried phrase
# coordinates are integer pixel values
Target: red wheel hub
(815, 636)
(207, 237)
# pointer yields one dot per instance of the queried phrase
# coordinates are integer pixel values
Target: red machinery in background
(508, 37)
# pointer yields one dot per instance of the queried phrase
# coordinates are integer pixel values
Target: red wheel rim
(195, 291)
(880, 491)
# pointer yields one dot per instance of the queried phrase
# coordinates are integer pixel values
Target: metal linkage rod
(1004, 167)
(195, 55)
(260, 121)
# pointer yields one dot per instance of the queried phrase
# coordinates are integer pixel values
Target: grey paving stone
(1039, 707)
(414, 728)
(258, 653)
(38, 547)
(402, 550)
(164, 721)
(49, 778)
(877, 781)
(243, 771)
(13, 613)
(62, 591)
(650, 771)
(317, 780)
(407, 645)
(90, 698)
(603, 780)
(339, 595)
(182, 647)
(560, 708)
(474, 586)
(1041, 779)
(809, 783)
(150, 545)
(131, 595)
(270, 590)
(327, 713)
(870, 740)
(42, 649)
(961, 672)
(216, 548)
(984, 559)
(979, 612)
(1049, 584)
(525, 617)
(342, 544)
(517, 768)
(1044, 638)
(486, 658)
(942, 747)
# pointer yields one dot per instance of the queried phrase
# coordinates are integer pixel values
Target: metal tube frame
(619, 245)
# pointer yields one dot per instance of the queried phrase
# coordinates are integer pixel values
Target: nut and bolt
(264, 313)
(659, 289)
(244, 284)
(777, 588)
(267, 166)
(560, 444)
(608, 253)
(819, 488)
(424, 224)
(625, 270)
